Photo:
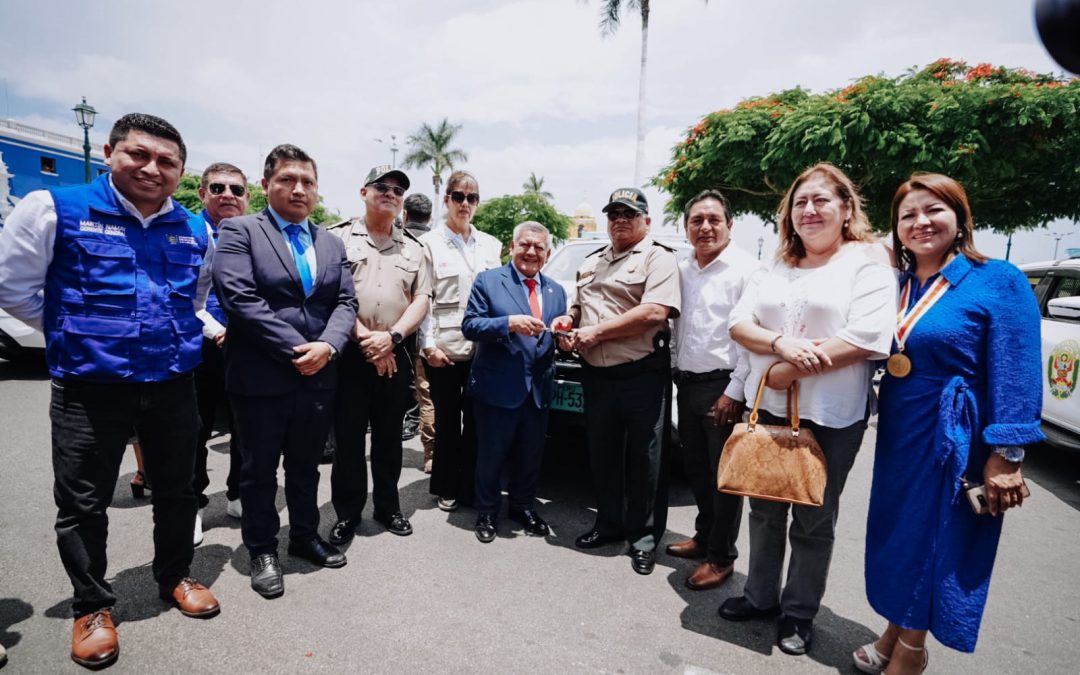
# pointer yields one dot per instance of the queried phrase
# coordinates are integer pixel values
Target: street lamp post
(84, 115)
(760, 243)
(393, 149)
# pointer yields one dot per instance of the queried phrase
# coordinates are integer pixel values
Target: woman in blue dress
(963, 393)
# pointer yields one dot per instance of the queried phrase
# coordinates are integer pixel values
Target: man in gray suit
(286, 288)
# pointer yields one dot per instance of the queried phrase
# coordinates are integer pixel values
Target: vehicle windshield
(564, 265)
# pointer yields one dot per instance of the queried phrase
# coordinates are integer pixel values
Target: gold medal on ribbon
(899, 364)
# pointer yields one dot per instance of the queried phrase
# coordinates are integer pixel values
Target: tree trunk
(436, 180)
(639, 159)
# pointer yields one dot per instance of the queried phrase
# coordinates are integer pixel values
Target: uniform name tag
(182, 239)
(91, 226)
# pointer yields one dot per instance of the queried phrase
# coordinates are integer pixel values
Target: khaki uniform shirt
(387, 277)
(610, 284)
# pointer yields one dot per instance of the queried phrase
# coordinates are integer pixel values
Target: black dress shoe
(740, 609)
(485, 527)
(531, 522)
(343, 530)
(266, 579)
(795, 635)
(593, 539)
(643, 562)
(395, 523)
(317, 551)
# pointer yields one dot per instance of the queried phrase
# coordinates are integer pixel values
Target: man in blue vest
(112, 272)
(224, 194)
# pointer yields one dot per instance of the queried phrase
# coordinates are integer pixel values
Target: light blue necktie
(298, 255)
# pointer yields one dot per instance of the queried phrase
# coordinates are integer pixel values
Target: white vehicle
(1057, 290)
(19, 341)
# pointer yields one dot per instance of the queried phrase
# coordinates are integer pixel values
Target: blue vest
(213, 305)
(120, 298)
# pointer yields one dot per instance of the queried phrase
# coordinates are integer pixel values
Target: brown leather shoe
(688, 548)
(708, 575)
(93, 640)
(192, 598)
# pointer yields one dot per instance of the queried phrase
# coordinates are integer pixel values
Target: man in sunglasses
(626, 292)
(224, 194)
(393, 287)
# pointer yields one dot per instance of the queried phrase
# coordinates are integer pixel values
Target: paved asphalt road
(439, 601)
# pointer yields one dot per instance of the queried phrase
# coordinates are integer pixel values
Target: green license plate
(569, 396)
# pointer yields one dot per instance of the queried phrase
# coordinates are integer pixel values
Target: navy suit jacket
(259, 287)
(508, 367)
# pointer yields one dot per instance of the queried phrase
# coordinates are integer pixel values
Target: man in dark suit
(286, 288)
(509, 311)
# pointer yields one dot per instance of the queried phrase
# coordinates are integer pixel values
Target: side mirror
(1064, 308)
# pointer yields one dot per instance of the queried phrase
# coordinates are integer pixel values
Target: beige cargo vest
(453, 273)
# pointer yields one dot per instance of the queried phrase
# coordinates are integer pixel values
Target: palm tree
(430, 146)
(535, 186)
(610, 20)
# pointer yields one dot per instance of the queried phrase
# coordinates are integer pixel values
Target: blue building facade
(35, 159)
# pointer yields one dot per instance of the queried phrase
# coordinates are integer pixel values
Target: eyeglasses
(383, 188)
(219, 189)
(622, 214)
(458, 197)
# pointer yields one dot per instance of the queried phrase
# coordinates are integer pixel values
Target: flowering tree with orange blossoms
(1010, 136)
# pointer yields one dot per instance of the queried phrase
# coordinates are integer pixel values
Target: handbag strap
(792, 402)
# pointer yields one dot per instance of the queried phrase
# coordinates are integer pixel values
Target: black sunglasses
(457, 197)
(383, 188)
(219, 189)
(622, 214)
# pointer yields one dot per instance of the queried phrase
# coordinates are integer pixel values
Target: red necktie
(534, 302)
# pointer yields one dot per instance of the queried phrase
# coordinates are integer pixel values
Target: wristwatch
(1011, 453)
(396, 337)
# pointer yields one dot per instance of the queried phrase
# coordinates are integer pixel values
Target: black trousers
(295, 425)
(719, 514)
(364, 396)
(91, 424)
(453, 469)
(627, 424)
(210, 393)
(512, 438)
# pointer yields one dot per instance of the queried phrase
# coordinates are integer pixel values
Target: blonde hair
(791, 249)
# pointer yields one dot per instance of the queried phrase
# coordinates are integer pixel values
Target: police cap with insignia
(632, 197)
(382, 171)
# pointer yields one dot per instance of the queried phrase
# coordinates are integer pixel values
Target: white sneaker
(198, 528)
(234, 509)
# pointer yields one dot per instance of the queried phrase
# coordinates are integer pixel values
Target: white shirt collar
(130, 208)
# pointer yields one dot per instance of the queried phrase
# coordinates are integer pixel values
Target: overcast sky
(535, 86)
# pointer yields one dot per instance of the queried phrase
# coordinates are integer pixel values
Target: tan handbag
(779, 463)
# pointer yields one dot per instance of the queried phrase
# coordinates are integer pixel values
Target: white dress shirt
(26, 251)
(702, 341)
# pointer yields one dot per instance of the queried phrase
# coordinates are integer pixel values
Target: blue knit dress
(975, 383)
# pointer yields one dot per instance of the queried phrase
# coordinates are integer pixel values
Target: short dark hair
(155, 126)
(286, 153)
(417, 208)
(221, 167)
(702, 196)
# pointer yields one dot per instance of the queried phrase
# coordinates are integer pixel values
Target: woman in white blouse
(824, 307)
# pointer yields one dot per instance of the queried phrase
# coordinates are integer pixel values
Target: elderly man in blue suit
(509, 314)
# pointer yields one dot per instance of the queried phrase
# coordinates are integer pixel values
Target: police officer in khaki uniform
(393, 286)
(626, 292)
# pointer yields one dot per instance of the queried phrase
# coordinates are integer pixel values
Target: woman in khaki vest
(457, 252)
